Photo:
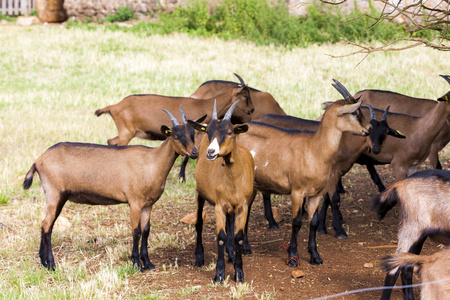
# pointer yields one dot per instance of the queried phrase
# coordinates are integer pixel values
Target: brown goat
(406, 155)
(424, 200)
(139, 115)
(407, 105)
(103, 175)
(350, 148)
(433, 269)
(263, 102)
(275, 151)
(224, 177)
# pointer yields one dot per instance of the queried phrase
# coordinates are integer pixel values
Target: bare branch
(417, 15)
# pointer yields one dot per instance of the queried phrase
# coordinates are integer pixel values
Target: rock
(62, 224)
(297, 273)
(368, 265)
(26, 21)
(191, 218)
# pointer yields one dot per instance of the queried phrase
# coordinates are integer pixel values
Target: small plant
(33, 12)
(4, 197)
(123, 14)
(7, 18)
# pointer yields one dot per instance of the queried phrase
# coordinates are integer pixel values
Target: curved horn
(341, 89)
(372, 114)
(214, 115)
(240, 79)
(230, 111)
(446, 77)
(183, 116)
(385, 114)
(172, 118)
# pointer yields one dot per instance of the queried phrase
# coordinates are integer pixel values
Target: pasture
(52, 80)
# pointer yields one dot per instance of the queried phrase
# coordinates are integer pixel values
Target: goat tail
(405, 260)
(29, 177)
(385, 201)
(101, 111)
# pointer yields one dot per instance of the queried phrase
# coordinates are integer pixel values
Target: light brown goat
(407, 105)
(300, 164)
(263, 102)
(104, 175)
(433, 269)
(424, 200)
(224, 177)
(139, 115)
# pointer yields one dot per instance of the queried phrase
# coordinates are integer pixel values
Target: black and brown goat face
(380, 131)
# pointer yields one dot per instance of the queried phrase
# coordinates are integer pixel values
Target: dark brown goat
(350, 148)
(138, 115)
(275, 151)
(424, 200)
(224, 177)
(407, 105)
(263, 102)
(103, 175)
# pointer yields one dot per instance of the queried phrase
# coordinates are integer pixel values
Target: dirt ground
(349, 264)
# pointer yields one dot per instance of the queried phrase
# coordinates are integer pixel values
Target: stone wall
(99, 9)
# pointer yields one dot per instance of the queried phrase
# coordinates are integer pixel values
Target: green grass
(52, 79)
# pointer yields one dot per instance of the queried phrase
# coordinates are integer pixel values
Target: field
(53, 79)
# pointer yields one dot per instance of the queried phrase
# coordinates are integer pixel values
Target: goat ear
(201, 119)
(166, 130)
(349, 108)
(396, 133)
(197, 126)
(444, 98)
(240, 128)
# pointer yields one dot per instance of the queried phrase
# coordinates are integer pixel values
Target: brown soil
(349, 264)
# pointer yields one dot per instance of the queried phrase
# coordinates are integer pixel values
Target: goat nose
(194, 154)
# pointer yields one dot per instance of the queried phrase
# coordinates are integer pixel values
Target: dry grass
(52, 81)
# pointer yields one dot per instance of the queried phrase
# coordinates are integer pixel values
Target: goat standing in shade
(424, 200)
(407, 105)
(224, 177)
(104, 175)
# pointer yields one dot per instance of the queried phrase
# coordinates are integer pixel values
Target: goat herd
(246, 143)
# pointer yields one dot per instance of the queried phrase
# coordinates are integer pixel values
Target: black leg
(438, 165)
(375, 178)
(389, 281)
(238, 271)
(322, 227)
(340, 187)
(220, 267)
(337, 217)
(312, 243)
(230, 236)
(246, 247)
(144, 249)
(268, 212)
(135, 251)
(199, 257)
(182, 173)
(292, 249)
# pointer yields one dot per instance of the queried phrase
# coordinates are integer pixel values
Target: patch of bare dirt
(349, 264)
